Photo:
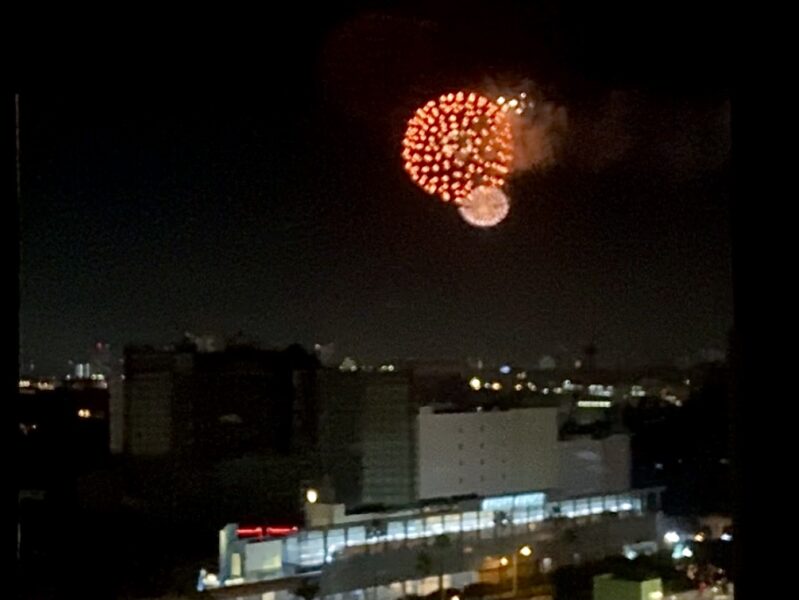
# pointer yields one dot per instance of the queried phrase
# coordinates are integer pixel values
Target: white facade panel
(487, 453)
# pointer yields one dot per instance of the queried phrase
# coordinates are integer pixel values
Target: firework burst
(458, 143)
(484, 207)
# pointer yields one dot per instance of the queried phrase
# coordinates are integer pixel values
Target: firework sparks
(458, 143)
(484, 207)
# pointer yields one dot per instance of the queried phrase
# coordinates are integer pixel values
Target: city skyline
(285, 213)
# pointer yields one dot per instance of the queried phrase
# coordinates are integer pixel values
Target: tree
(425, 562)
(307, 590)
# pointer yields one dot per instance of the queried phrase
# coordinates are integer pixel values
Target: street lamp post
(525, 551)
(515, 574)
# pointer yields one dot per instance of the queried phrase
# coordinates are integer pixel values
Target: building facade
(210, 404)
(367, 437)
(487, 453)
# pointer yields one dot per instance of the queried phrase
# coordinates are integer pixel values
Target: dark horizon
(285, 213)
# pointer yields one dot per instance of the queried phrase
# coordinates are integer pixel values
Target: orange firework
(458, 143)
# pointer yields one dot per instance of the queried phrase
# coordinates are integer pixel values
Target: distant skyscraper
(100, 360)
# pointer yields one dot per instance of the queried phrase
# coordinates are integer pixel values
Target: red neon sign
(269, 531)
(278, 531)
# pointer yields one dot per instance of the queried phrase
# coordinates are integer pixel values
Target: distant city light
(726, 537)
(594, 403)
(348, 364)
(504, 369)
(496, 386)
(518, 387)
(312, 496)
(475, 383)
(600, 390)
(525, 551)
(671, 537)
(504, 561)
(687, 553)
(84, 413)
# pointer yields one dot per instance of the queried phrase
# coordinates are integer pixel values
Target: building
(347, 553)
(116, 410)
(394, 476)
(63, 428)
(594, 466)
(487, 452)
(101, 361)
(367, 437)
(378, 445)
(182, 401)
(607, 587)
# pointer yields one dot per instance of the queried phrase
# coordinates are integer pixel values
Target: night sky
(272, 200)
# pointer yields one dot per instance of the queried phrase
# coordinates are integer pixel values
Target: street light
(526, 552)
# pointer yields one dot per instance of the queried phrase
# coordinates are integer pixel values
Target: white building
(487, 453)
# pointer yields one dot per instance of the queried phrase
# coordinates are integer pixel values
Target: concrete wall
(260, 557)
(487, 453)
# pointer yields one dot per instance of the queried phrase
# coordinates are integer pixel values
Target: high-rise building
(367, 436)
(101, 361)
(180, 400)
